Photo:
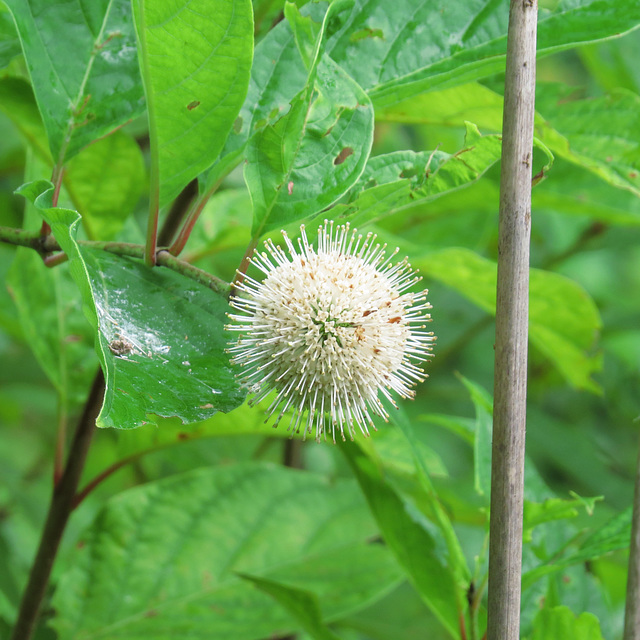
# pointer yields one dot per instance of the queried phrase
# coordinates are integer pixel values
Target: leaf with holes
(399, 180)
(195, 57)
(310, 157)
(284, 67)
(83, 64)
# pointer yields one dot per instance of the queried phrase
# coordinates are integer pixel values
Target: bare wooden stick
(512, 308)
(632, 608)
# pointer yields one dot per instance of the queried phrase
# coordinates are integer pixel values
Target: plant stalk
(632, 606)
(62, 503)
(163, 258)
(512, 310)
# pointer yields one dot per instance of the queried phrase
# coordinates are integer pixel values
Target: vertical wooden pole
(510, 378)
(632, 609)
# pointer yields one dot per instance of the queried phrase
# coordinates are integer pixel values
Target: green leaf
(383, 47)
(302, 605)
(600, 134)
(161, 559)
(158, 334)
(104, 182)
(563, 319)
(306, 32)
(277, 75)
(402, 179)
(449, 107)
(195, 58)
(9, 41)
(483, 404)
(413, 546)
(536, 513)
(18, 103)
(560, 623)
(456, 560)
(611, 536)
(84, 68)
(52, 324)
(311, 156)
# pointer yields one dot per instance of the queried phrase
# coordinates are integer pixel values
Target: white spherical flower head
(330, 329)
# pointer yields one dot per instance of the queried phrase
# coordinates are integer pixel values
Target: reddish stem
(56, 259)
(81, 495)
(180, 242)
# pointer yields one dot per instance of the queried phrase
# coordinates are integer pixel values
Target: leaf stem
(56, 178)
(62, 501)
(632, 605)
(178, 211)
(101, 477)
(192, 217)
(163, 257)
(510, 374)
(154, 173)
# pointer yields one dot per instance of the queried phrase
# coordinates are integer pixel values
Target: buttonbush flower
(330, 329)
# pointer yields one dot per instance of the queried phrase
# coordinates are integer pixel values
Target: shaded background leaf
(167, 552)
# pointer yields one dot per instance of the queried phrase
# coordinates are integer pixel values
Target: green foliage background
(383, 114)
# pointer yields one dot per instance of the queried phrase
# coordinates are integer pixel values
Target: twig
(512, 305)
(179, 209)
(62, 501)
(192, 217)
(632, 607)
(163, 257)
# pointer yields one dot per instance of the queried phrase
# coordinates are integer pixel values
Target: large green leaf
(404, 49)
(402, 179)
(412, 544)
(195, 58)
(563, 319)
(159, 335)
(84, 67)
(161, 560)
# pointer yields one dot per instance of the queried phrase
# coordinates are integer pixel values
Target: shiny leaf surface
(159, 335)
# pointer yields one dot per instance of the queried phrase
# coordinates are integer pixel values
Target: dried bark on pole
(512, 308)
(632, 609)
